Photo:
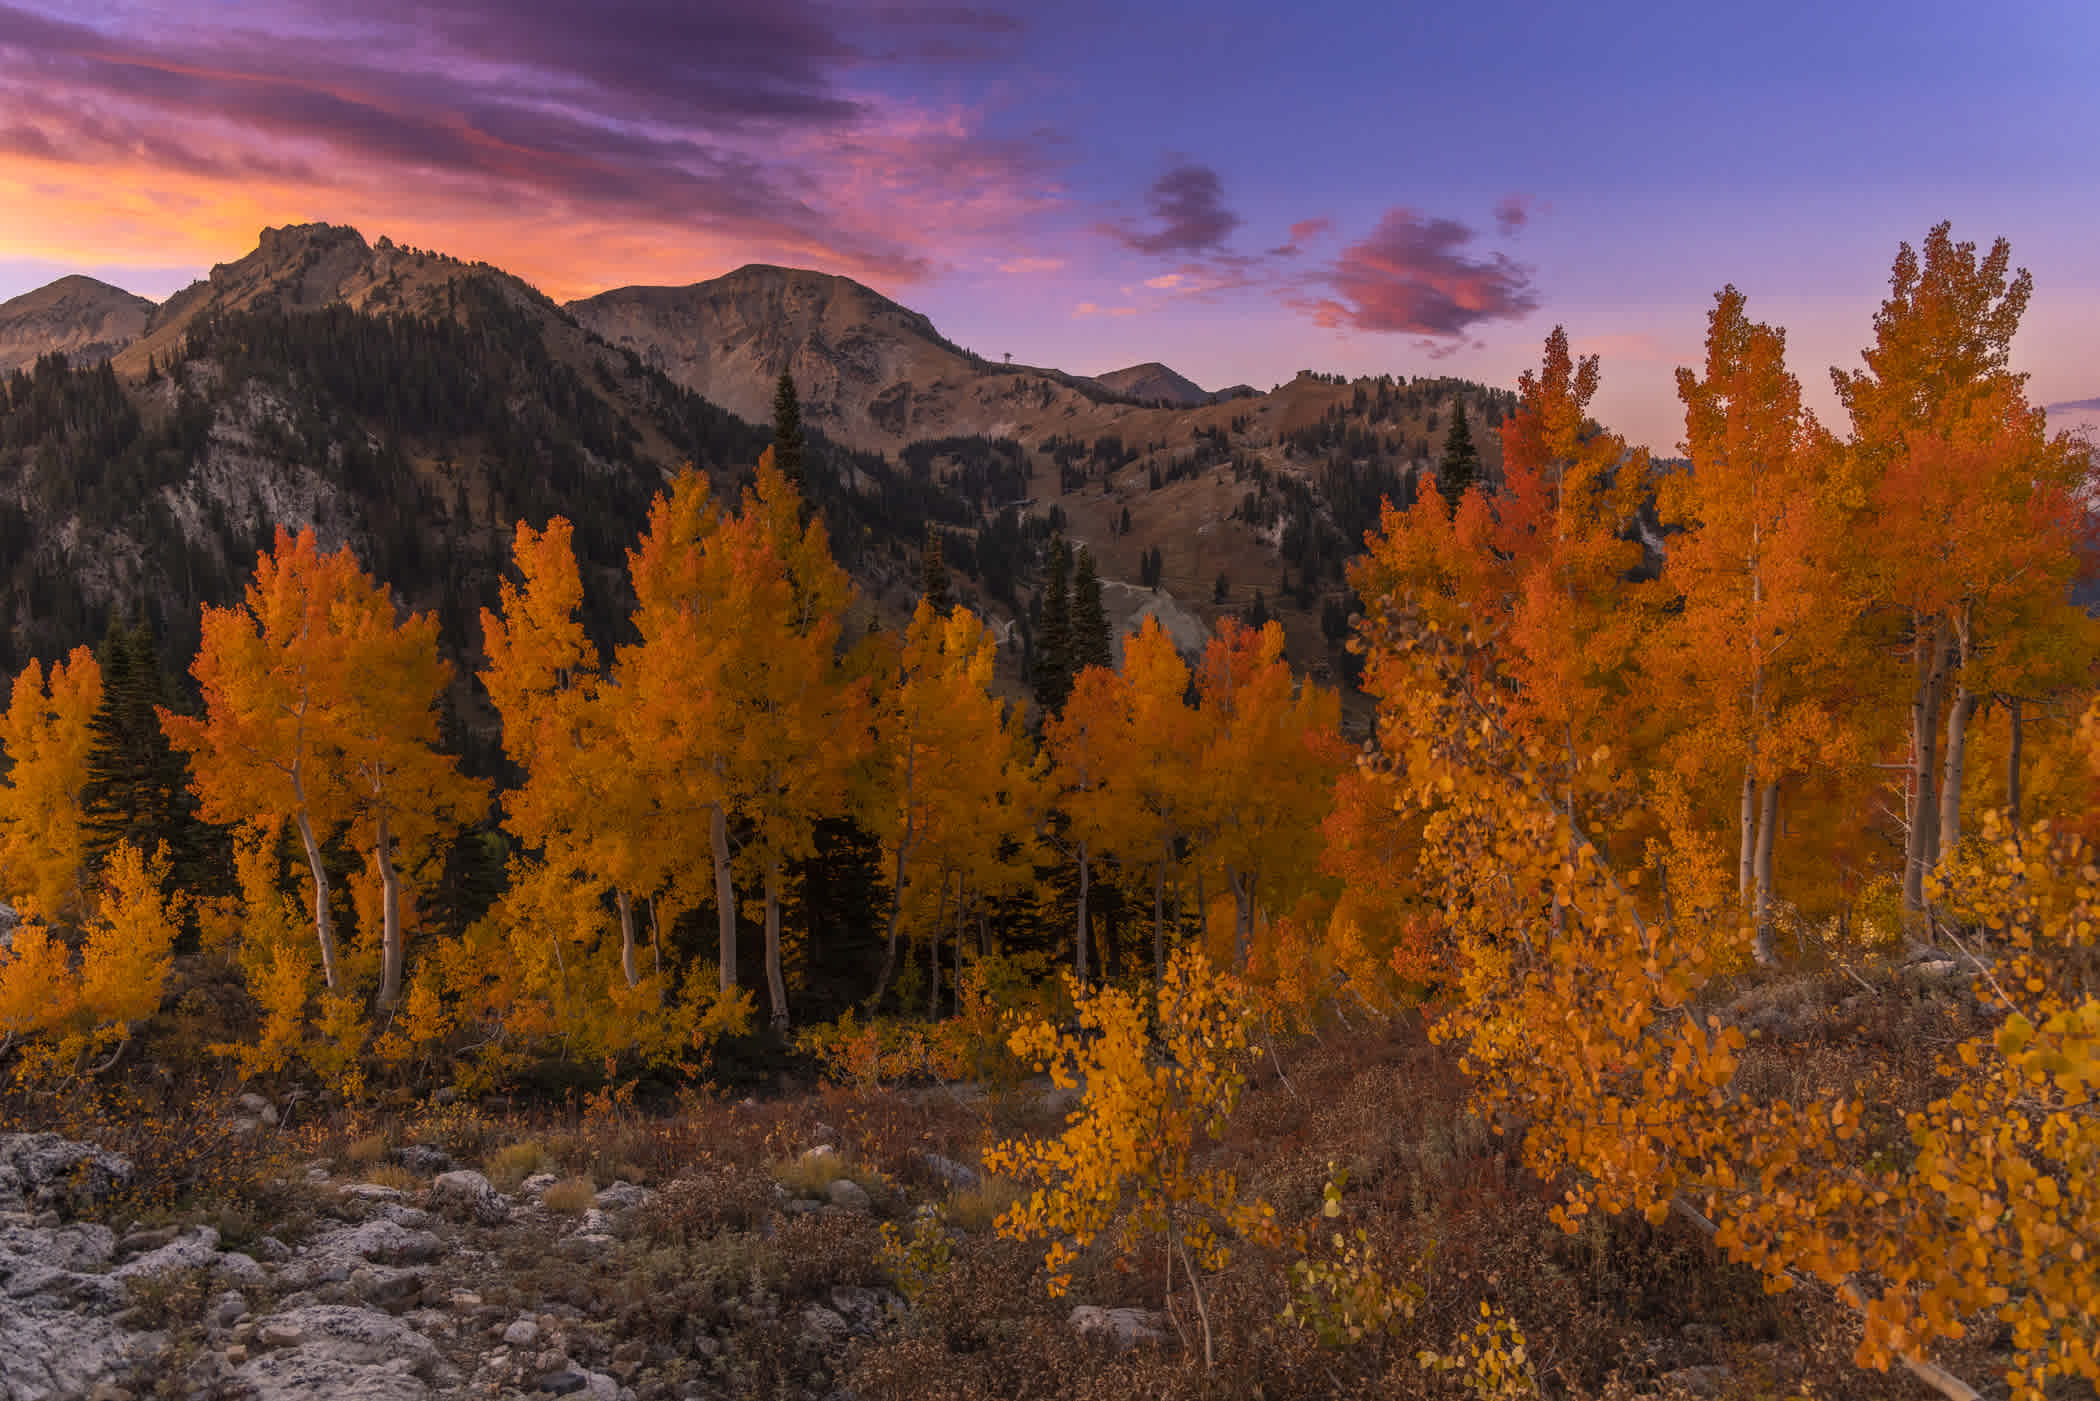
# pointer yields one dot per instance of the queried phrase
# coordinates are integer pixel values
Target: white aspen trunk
(1958, 715)
(1746, 866)
(1930, 650)
(725, 896)
(904, 846)
(1079, 939)
(933, 952)
(628, 970)
(1767, 828)
(776, 981)
(392, 956)
(324, 921)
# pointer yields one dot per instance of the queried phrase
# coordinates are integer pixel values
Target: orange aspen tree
(583, 803)
(1089, 745)
(809, 722)
(678, 714)
(271, 670)
(45, 738)
(125, 956)
(320, 708)
(960, 781)
(1162, 772)
(1971, 506)
(1570, 618)
(1747, 662)
(1271, 748)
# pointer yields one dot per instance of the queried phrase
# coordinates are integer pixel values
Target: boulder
(465, 1195)
(849, 1194)
(422, 1158)
(624, 1196)
(41, 1171)
(949, 1171)
(1121, 1329)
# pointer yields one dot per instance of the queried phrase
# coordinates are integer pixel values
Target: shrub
(511, 1164)
(571, 1196)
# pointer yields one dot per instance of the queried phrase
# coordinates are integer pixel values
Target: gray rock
(373, 1192)
(949, 1171)
(534, 1185)
(240, 1271)
(333, 1255)
(624, 1196)
(1700, 1381)
(251, 1104)
(847, 1193)
(866, 1310)
(39, 1171)
(195, 1250)
(466, 1195)
(1122, 1329)
(387, 1287)
(225, 1309)
(421, 1157)
(824, 1324)
(563, 1383)
(523, 1332)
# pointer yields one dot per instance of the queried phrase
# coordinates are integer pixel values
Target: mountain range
(416, 406)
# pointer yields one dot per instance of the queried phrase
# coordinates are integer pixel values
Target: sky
(1239, 189)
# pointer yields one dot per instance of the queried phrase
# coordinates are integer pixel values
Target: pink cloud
(1512, 213)
(1412, 275)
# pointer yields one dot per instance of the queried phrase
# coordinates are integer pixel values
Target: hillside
(86, 320)
(417, 406)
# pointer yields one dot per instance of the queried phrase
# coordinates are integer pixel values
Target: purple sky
(1239, 190)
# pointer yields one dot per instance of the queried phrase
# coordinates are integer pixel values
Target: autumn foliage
(1645, 739)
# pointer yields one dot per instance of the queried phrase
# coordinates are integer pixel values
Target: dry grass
(511, 1164)
(978, 1207)
(572, 1196)
(366, 1150)
(392, 1175)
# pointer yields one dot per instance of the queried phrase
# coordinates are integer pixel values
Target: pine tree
(1089, 621)
(933, 574)
(1053, 639)
(787, 432)
(1461, 465)
(138, 786)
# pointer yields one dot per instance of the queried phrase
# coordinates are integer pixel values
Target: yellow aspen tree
(1271, 747)
(45, 737)
(1753, 651)
(320, 707)
(1162, 761)
(1126, 1164)
(1972, 507)
(959, 778)
(1089, 745)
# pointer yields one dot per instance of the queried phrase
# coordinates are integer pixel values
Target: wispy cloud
(768, 128)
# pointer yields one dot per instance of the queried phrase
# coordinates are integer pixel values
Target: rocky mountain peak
(85, 319)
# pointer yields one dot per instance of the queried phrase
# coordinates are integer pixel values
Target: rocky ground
(389, 1294)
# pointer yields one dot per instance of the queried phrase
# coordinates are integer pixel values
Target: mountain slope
(86, 320)
(416, 407)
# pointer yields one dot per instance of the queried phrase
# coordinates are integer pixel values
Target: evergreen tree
(1053, 634)
(933, 573)
(1258, 613)
(1089, 619)
(787, 433)
(137, 789)
(1461, 465)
